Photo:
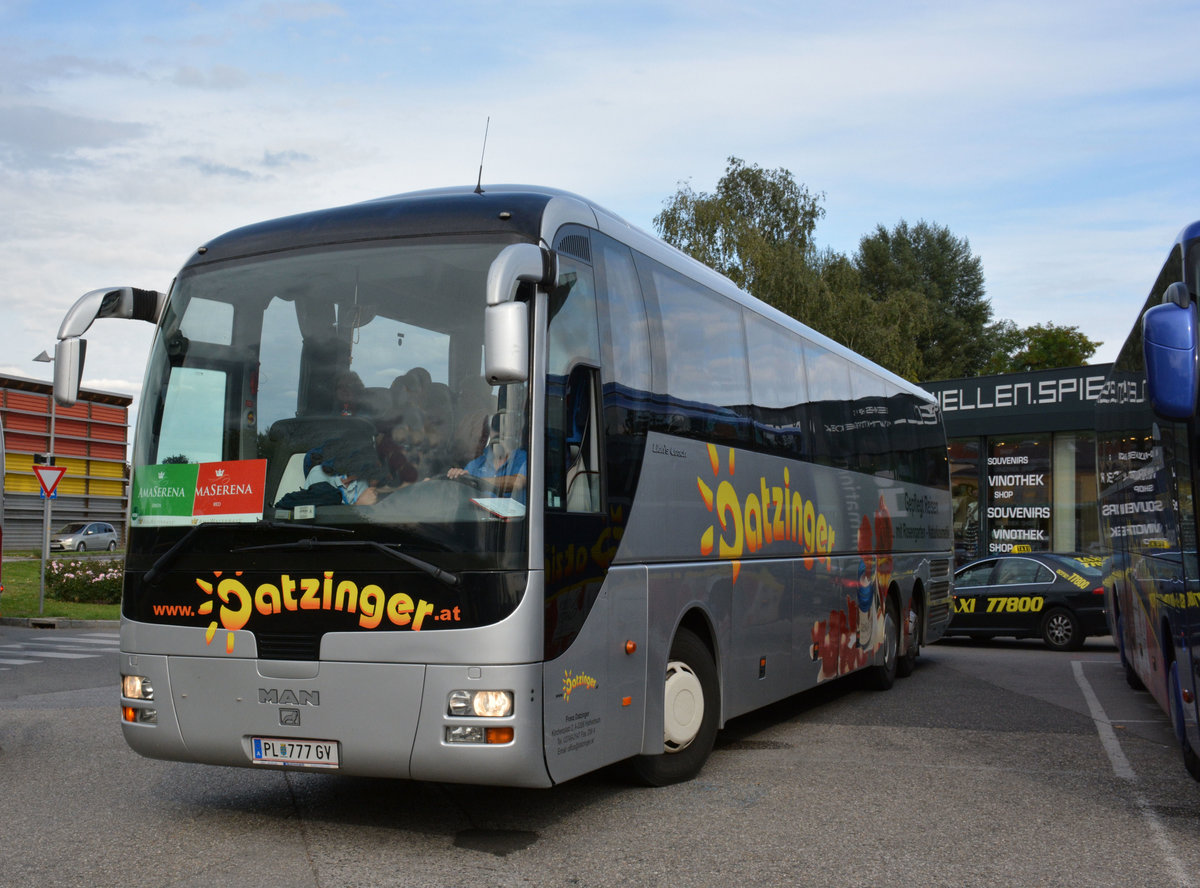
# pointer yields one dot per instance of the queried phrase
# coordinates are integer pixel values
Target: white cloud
(1052, 136)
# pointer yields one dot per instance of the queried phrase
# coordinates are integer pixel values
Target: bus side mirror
(68, 369)
(505, 320)
(1169, 344)
(506, 343)
(109, 302)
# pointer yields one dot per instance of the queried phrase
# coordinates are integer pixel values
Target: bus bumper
(386, 719)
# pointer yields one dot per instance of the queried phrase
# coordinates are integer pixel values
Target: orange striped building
(90, 442)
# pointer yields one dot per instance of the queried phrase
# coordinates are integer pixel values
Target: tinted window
(778, 387)
(976, 575)
(629, 341)
(830, 394)
(1017, 571)
(703, 358)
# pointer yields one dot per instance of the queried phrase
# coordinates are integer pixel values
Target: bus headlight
(136, 687)
(486, 704)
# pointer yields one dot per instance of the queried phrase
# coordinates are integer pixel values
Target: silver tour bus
(488, 486)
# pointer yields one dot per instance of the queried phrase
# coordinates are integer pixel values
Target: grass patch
(20, 596)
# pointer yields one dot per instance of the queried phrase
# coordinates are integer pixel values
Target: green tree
(1038, 347)
(883, 331)
(928, 261)
(757, 229)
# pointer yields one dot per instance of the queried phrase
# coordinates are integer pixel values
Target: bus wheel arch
(691, 707)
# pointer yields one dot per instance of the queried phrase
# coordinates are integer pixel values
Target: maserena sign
(188, 493)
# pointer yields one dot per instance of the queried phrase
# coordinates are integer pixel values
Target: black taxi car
(1057, 597)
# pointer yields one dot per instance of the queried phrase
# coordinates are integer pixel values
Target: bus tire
(1131, 676)
(691, 705)
(1175, 696)
(907, 663)
(882, 675)
(1061, 630)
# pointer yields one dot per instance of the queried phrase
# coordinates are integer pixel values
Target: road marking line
(19, 662)
(1122, 768)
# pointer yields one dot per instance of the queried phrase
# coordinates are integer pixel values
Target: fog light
(464, 734)
(136, 687)
(487, 704)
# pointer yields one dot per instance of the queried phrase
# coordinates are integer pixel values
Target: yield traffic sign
(48, 477)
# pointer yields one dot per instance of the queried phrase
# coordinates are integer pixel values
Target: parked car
(82, 536)
(1057, 597)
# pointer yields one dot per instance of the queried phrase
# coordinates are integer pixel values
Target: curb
(59, 623)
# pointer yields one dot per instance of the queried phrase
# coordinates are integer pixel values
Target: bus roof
(525, 212)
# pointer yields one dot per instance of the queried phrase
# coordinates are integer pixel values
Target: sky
(1060, 139)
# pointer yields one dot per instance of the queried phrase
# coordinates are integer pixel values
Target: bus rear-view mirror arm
(110, 302)
(506, 320)
(1169, 344)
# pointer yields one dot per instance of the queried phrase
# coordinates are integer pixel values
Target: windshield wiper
(168, 557)
(392, 551)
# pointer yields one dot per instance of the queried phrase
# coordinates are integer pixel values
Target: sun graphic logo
(235, 607)
(728, 510)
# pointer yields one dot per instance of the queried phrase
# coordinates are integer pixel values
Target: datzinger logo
(767, 516)
(230, 603)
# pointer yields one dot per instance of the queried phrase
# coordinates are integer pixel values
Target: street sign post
(48, 477)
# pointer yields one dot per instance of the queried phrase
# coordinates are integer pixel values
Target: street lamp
(44, 358)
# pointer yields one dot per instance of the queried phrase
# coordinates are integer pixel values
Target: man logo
(288, 697)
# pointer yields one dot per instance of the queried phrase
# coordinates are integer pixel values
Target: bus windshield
(341, 386)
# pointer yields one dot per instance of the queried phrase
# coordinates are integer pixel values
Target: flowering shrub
(90, 582)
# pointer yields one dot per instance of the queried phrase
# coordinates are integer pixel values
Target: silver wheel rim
(1058, 628)
(683, 706)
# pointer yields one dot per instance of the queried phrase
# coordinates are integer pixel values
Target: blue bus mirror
(1169, 343)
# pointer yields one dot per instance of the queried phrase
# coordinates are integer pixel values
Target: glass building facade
(1023, 460)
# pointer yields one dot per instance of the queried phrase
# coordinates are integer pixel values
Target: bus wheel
(1131, 676)
(1061, 631)
(906, 664)
(691, 704)
(1175, 696)
(882, 676)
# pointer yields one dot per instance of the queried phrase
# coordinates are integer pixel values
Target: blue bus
(1147, 456)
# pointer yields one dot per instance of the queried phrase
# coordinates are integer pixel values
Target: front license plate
(284, 751)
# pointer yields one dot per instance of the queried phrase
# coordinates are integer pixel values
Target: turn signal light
(499, 735)
(133, 715)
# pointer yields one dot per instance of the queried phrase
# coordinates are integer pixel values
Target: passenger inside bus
(338, 472)
(399, 448)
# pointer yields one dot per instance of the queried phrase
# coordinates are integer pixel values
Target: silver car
(82, 536)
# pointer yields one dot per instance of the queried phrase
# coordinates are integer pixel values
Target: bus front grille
(288, 647)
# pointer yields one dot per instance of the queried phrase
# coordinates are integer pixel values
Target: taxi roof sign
(48, 477)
